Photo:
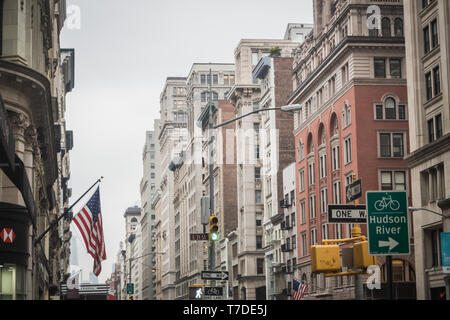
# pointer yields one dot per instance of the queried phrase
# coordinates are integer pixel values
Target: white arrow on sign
(391, 244)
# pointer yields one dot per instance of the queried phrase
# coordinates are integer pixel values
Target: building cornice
(429, 151)
(340, 50)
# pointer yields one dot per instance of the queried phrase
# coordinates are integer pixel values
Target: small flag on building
(89, 222)
(298, 290)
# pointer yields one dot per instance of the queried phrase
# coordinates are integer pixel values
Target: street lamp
(288, 108)
(413, 209)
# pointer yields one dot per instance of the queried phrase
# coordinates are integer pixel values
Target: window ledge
(432, 101)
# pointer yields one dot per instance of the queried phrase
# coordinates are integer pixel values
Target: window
(398, 27)
(338, 230)
(323, 200)
(396, 68)
(390, 109)
(337, 192)
(379, 112)
(391, 145)
(304, 245)
(435, 128)
(215, 78)
(437, 81)
(432, 184)
(426, 39)
(312, 206)
(255, 58)
(323, 166)
(348, 150)
(203, 79)
(434, 34)
(313, 236)
(260, 266)
(257, 155)
(257, 173)
(294, 242)
(258, 198)
(393, 180)
(429, 86)
(402, 112)
(302, 179)
(259, 219)
(325, 235)
(204, 97)
(215, 96)
(386, 27)
(345, 76)
(336, 156)
(259, 242)
(303, 211)
(293, 219)
(311, 173)
(380, 67)
(301, 151)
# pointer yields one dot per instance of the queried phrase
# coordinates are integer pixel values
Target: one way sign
(215, 275)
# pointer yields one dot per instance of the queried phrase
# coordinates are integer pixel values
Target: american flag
(298, 290)
(89, 222)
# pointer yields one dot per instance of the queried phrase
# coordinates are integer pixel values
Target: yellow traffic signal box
(361, 257)
(325, 258)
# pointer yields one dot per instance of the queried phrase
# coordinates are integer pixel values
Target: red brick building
(351, 82)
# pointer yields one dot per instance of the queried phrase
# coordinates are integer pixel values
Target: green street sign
(130, 288)
(387, 222)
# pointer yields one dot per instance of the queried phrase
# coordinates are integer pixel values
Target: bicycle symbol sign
(387, 202)
(387, 222)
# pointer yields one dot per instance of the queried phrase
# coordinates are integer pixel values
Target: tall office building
(149, 185)
(205, 82)
(246, 96)
(172, 139)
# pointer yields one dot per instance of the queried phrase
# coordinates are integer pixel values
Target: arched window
(310, 144)
(321, 135)
(134, 220)
(386, 27)
(398, 27)
(390, 109)
(334, 127)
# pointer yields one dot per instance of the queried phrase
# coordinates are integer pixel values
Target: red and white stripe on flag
(91, 229)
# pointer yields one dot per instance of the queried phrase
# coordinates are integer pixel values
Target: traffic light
(213, 228)
(325, 258)
(361, 257)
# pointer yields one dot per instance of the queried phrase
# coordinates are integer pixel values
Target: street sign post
(353, 191)
(130, 288)
(199, 236)
(347, 213)
(387, 219)
(215, 275)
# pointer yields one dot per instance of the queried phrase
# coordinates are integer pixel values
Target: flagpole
(66, 211)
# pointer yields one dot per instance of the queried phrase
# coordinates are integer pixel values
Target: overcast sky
(124, 50)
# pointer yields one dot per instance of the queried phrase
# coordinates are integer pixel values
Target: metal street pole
(212, 256)
(359, 289)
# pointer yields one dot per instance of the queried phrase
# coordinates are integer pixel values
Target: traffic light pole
(212, 261)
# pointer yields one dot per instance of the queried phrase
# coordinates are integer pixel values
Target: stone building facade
(427, 55)
(35, 76)
(245, 96)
